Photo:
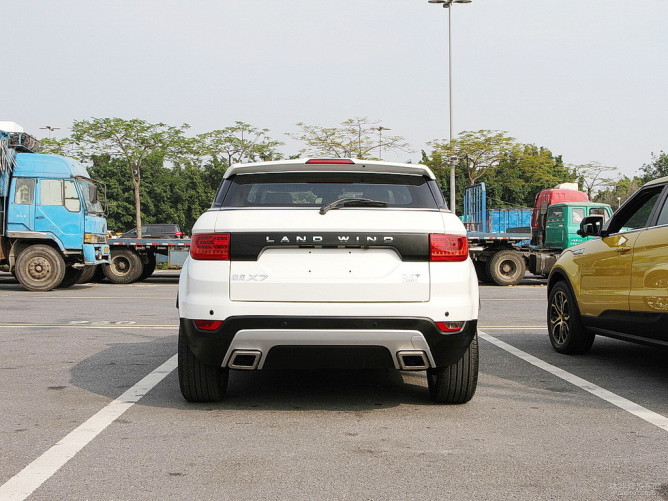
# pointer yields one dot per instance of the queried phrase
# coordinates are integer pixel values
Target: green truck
(504, 258)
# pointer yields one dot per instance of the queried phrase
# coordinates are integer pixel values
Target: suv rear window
(315, 189)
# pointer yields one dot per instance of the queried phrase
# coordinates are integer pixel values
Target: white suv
(334, 263)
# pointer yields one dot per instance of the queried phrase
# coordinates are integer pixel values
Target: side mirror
(591, 226)
(93, 194)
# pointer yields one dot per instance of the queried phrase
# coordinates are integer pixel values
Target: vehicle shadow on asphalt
(636, 372)
(120, 366)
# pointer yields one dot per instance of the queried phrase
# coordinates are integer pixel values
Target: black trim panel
(248, 246)
(638, 327)
(211, 346)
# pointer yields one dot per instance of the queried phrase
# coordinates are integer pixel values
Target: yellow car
(615, 285)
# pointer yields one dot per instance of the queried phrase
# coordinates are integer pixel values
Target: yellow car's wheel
(566, 330)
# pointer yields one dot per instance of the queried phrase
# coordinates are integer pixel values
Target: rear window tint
(315, 189)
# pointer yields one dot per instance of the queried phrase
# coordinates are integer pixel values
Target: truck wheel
(506, 267)
(87, 274)
(149, 267)
(72, 276)
(481, 271)
(40, 268)
(199, 382)
(125, 267)
(98, 276)
(456, 383)
(567, 332)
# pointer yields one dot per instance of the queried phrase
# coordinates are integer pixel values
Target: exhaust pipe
(247, 360)
(413, 360)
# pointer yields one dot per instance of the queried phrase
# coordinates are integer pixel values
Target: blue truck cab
(52, 223)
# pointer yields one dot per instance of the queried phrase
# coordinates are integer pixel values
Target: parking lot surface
(92, 410)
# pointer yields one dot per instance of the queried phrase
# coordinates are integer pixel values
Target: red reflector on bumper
(450, 326)
(208, 325)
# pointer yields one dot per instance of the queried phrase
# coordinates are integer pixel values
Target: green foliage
(658, 167)
(518, 177)
(477, 152)
(170, 194)
(135, 142)
(512, 182)
(619, 191)
(239, 143)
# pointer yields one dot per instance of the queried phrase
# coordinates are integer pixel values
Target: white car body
(354, 276)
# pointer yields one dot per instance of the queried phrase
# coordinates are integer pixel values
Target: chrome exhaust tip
(413, 360)
(246, 360)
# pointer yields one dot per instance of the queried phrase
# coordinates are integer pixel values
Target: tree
(517, 178)
(513, 182)
(476, 152)
(591, 176)
(135, 142)
(658, 167)
(239, 143)
(353, 139)
(619, 191)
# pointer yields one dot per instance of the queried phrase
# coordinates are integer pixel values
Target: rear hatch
(364, 255)
(359, 235)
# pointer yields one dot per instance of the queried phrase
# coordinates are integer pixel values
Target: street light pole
(380, 130)
(447, 4)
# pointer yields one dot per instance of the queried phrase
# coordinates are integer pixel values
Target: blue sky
(586, 79)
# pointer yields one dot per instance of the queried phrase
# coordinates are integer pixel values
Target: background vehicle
(504, 256)
(334, 263)
(134, 259)
(52, 225)
(156, 231)
(615, 285)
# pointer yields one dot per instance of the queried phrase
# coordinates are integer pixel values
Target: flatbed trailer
(134, 259)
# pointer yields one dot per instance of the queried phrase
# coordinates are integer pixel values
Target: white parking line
(621, 402)
(24, 483)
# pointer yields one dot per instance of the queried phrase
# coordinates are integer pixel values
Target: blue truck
(52, 222)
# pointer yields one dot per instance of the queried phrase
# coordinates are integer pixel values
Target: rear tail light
(448, 247)
(450, 326)
(330, 161)
(210, 247)
(208, 325)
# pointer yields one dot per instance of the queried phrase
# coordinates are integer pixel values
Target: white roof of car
(329, 165)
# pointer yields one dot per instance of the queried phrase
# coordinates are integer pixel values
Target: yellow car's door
(605, 273)
(649, 279)
(606, 264)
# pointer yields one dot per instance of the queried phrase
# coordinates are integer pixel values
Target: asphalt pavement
(91, 410)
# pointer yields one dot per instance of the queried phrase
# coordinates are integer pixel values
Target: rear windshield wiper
(352, 202)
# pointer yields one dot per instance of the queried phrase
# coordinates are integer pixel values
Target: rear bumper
(327, 342)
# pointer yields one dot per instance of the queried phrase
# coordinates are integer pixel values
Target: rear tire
(456, 383)
(506, 267)
(566, 330)
(149, 266)
(72, 276)
(40, 268)
(481, 271)
(125, 267)
(87, 274)
(199, 382)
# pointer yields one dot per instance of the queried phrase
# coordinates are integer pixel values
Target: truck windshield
(89, 190)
